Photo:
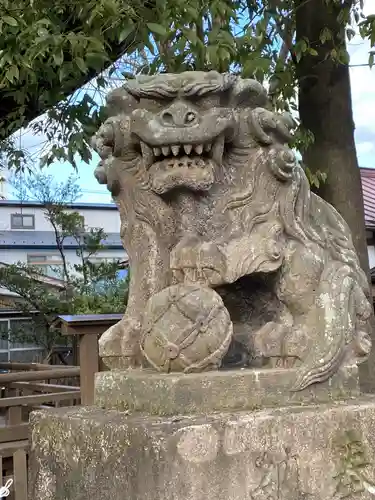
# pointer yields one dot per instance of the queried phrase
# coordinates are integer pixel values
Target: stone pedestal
(153, 393)
(297, 451)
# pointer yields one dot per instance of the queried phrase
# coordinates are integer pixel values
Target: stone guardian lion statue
(210, 195)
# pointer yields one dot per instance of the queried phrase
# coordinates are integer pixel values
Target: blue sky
(91, 190)
(363, 96)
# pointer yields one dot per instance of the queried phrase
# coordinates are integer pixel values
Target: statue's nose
(178, 117)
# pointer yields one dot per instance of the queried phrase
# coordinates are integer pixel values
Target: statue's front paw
(119, 345)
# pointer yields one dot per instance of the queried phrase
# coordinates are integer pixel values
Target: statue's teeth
(166, 150)
(175, 150)
(157, 151)
(199, 149)
(188, 148)
(207, 147)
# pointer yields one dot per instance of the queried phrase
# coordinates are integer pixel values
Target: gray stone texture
(225, 390)
(212, 199)
(316, 452)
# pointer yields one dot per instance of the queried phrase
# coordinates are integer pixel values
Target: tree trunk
(325, 108)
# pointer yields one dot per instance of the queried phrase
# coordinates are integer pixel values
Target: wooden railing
(29, 386)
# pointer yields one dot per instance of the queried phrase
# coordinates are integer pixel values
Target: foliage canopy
(48, 51)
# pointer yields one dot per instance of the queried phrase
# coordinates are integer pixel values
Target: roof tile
(41, 239)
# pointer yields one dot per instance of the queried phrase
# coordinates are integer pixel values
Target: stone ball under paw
(186, 328)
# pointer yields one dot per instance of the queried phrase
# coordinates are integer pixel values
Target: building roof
(368, 189)
(46, 280)
(75, 206)
(45, 240)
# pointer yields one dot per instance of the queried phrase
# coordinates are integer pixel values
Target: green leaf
(323, 176)
(192, 12)
(96, 59)
(228, 37)
(344, 56)
(371, 59)
(10, 20)
(350, 33)
(325, 35)
(313, 52)
(157, 28)
(58, 58)
(81, 64)
(150, 46)
(12, 74)
(191, 36)
(223, 54)
(125, 32)
(212, 58)
(64, 72)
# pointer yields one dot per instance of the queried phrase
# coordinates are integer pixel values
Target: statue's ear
(120, 101)
(248, 93)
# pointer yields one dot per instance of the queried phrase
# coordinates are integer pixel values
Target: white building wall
(108, 219)
(13, 256)
(371, 255)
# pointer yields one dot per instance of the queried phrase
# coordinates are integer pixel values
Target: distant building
(368, 190)
(12, 318)
(27, 236)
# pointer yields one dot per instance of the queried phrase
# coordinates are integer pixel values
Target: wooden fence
(30, 386)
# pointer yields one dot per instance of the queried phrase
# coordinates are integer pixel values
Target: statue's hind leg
(329, 309)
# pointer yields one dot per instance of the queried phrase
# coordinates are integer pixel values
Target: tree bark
(325, 108)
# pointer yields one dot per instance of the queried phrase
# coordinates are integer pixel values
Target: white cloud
(365, 147)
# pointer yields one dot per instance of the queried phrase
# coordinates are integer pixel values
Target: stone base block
(323, 452)
(228, 390)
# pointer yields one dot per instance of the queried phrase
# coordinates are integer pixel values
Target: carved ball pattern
(186, 328)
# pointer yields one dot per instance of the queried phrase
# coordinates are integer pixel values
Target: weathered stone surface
(315, 453)
(210, 195)
(200, 329)
(224, 390)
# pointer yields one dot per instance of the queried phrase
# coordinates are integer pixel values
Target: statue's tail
(335, 320)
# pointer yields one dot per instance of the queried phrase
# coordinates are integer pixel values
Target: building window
(22, 221)
(49, 265)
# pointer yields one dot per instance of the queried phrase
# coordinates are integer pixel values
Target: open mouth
(183, 155)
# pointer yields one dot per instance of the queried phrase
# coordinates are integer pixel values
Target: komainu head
(177, 130)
